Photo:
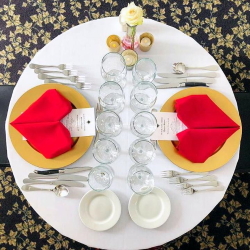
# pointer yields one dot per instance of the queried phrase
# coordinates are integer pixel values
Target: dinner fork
(66, 72)
(177, 180)
(185, 185)
(60, 66)
(99, 109)
(75, 79)
(192, 191)
(172, 173)
(78, 85)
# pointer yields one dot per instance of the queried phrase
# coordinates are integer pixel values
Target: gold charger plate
(225, 153)
(29, 153)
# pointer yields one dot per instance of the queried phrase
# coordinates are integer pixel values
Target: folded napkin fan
(40, 124)
(208, 127)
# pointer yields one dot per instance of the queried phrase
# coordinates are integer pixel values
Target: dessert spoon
(181, 68)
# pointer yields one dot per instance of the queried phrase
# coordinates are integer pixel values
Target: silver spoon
(181, 68)
(59, 190)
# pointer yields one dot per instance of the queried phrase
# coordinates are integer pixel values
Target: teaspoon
(59, 190)
(181, 68)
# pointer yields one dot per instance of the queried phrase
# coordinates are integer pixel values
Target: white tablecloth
(85, 45)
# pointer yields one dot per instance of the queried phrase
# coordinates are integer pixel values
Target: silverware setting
(188, 185)
(181, 85)
(174, 177)
(66, 72)
(60, 66)
(74, 79)
(177, 180)
(184, 80)
(78, 85)
(53, 182)
(172, 173)
(190, 190)
(59, 190)
(175, 75)
(181, 68)
(62, 171)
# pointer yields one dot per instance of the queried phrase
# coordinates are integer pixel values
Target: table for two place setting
(84, 46)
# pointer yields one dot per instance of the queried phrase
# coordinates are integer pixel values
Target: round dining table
(84, 46)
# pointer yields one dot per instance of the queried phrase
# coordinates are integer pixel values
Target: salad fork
(60, 66)
(185, 185)
(66, 72)
(172, 173)
(190, 190)
(177, 180)
(78, 85)
(75, 79)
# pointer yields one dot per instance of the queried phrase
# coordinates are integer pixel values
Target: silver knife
(62, 171)
(182, 80)
(174, 75)
(66, 183)
(180, 85)
(61, 177)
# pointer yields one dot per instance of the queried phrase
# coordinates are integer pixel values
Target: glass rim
(115, 54)
(107, 170)
(146, 112)
(144, 59)
(117, 147)
(107, 111)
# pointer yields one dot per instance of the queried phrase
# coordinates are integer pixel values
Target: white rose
(132, 15)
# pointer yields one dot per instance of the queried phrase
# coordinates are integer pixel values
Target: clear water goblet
(111, 97)
(100, 177)
(114, 68)
(140, 179)
(106, 150)
(142, 151)
(143, 96)
(143, 124)
(144, 70)
(109, 124)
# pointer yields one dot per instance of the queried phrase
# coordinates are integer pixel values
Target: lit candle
(114, 43)
(130, 58)
(145, 41)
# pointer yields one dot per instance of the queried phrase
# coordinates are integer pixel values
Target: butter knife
(180, 85)
(182, 80)
(62, 171)
(174, 75)
(52, 182)
(61, 177)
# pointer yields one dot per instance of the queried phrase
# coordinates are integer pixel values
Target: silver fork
(172, 173)
(177, 180)
(192, 191)
(75, 79)
(60, 66)
(154, 142)
(78, 85)
(66, 72)
(188, 185)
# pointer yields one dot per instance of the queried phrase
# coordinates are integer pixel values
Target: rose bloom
(132, 15)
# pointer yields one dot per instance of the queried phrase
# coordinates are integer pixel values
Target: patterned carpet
(221, 27)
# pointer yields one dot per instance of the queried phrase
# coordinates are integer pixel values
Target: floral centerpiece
(132, 15)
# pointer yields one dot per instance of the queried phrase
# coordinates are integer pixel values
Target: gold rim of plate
(30, 154)
(225, 153)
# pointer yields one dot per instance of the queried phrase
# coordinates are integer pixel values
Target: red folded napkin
(40, 124)
(208, 127)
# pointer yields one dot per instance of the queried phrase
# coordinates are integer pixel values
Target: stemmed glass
(111, 97)
(142, 151)
(114, 68)
(100, 177)
(106, 150)
(109, 124)
(140, 179)
(143, 96)
(143, 124)
(144, 70)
